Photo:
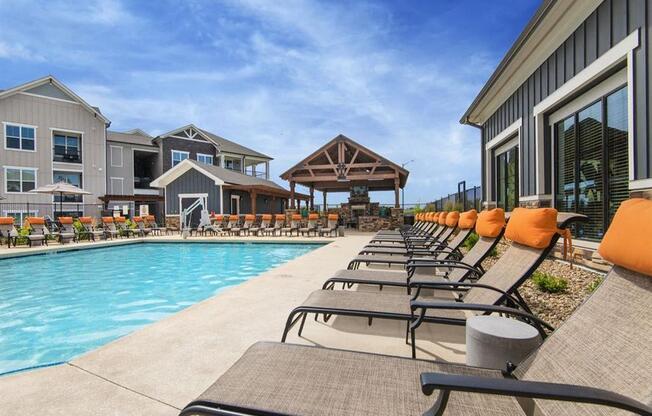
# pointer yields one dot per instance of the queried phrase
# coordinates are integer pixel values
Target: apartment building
(50, 134)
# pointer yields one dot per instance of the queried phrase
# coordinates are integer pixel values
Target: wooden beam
(355, 177)
(292, 195)
(355, 155)
(253, 196)
(397, 200)
(325, 206)
(355, 165)
(312, 198)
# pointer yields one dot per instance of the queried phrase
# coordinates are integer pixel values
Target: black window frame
(496, 166)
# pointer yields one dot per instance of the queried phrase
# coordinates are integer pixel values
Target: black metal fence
(462, 200)
(20, 210)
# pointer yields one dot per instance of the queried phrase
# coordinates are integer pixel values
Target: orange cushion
(490, 223)
(452, 218)
(250, 217)
(267, 217)
(137, 219)
(86, 220)
(65, 220)
(150, 218)
(296, 217)
(107, 219)
(333, 217)
(532, 227)
(120, 219)
(628, 241)
(313, 217)
(442, 218)
(6, 220)
(467, 219)
(36, 220)
(280, 217)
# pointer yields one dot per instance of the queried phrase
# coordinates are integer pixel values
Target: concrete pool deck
(160, 368)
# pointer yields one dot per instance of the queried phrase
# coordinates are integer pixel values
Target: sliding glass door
(507, 179)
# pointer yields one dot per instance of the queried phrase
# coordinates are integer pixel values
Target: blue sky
(281, 77)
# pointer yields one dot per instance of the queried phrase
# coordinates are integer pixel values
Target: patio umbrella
(60, 188)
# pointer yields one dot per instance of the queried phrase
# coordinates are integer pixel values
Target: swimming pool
(56, 306)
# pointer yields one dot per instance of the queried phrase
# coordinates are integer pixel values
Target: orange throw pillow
(532, 227)
(490, 223)
(467, 219)
(313, 217)
(6, 220)
(250, 217)
(452, 218)
(628, 241)
(442, 218)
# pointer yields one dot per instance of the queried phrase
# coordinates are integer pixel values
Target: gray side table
(492, 341)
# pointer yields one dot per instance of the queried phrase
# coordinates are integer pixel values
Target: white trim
(189, 139)
(237, 198)
(81, 144)
(173, 151)
(530, 198)
(630, 114)
(640, 184)
(498, 141)
(122, 156)
(221, 200)
(196, 195)
(122, 185)
(205, 155)
(48, 98)
(66, 130)
(21, 168)
(143, 191)
(174, 173)
(144, 150)
(509, 131)
(614, 56)
(4, 136)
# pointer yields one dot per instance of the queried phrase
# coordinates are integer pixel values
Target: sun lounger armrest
(452, 264)
(531, 389)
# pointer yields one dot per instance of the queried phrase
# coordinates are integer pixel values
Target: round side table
(492, 341)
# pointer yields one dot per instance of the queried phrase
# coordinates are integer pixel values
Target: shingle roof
(131, 137)
(235, 178)
(228, 146)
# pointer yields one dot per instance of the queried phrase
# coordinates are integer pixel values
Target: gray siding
(191, 182)
(126, 171)
(612, 21)
(264, 204)
(193, 147)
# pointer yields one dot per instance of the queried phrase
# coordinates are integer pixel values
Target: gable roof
(135, 136)
(223, 145)
(50, 80)
(220, 175)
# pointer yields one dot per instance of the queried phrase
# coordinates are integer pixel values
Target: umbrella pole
(60, 203)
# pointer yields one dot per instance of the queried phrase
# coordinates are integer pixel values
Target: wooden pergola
(255, 190)
(342, 163)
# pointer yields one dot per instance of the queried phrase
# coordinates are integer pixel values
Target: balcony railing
(66, 155)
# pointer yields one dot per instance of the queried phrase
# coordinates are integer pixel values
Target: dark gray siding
(192, 182)
(264, 204)
(609, 24)
(193, 147)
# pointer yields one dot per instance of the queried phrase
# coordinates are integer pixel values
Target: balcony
(69, 155)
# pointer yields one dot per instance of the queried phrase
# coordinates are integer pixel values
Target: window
(207, 159)
(19, 216)
(67, 148)
(591, 162)
(228, 164)
(73, 178)
(20, 179)
(117, 186)
(20, 137)
(116, 156)
(178, 156)
(507, 179)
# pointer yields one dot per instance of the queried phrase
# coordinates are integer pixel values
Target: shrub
(470, 241)
(594, 284)
(549, 283)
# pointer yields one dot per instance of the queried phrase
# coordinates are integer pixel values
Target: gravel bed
(554, 308)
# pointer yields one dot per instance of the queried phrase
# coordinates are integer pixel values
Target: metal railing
(462, 200)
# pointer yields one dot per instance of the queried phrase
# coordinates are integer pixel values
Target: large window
(20, 179)
(178, 156)
(20, 137)
(507, 179)
(591, 162)
(67, 148)
(207, 159)
(73, 178)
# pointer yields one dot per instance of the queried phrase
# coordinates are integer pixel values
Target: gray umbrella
(60, 188)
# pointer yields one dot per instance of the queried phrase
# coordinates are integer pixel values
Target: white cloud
(18, 52)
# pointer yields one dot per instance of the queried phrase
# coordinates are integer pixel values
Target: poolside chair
(121, 225)
(437, 220)
(265, 220)
(38, 232)
(423, 225)
(141, 229)
(438, 234)
(311, 226)
(217, 221)
(67, 232)
(89, 230)
(151, 223)
(533, 232)
(8, 230)
(232, 223)
(489, 226)
(110, 230)
(246, 225)
(279, 224)
(295, 223)
(595, 363)
(331, 226)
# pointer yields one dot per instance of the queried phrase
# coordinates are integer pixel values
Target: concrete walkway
(160, 368)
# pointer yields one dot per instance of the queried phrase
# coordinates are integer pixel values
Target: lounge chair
(67, 232)
(331, 226)
(437, 221)
(38, 232)
(141, 228)
(295, 223)
(439, 233)
(121, 226)
(88, 230)
(246, 225)
(279, 224)
(8, 230)
(311, 226)
(424, 225)
(231, 223)
(489, 226)
(499, 285)
(265, 220)
(110, 230)
(217, 221)
(596, 362)
(151, 223)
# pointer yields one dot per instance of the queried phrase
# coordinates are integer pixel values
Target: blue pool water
(56, 306)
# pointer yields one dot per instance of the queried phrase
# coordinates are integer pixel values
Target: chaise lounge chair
(331, 226)
(311, 226)
(110, 229)
(246, 225)
(150, 222)
(498, 286)
(279, 224)
(8, 230)
(141, 228)
(88, 230)
(67, 231)
(231, 223)
(595, 363)
(295, 223)
(38, 232)
(265, 220)
(437, 221)
(121, 225)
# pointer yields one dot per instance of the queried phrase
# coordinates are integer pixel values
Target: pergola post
(292, 206)
(397, 202)
(325, 206)
(312, 198)
(253, 196)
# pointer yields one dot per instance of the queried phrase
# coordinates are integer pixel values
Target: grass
(594, 284)
(548, 283)
(472, 239)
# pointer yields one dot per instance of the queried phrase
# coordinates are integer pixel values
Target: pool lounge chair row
(596, 363)
(40, 231)
(272, 225)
